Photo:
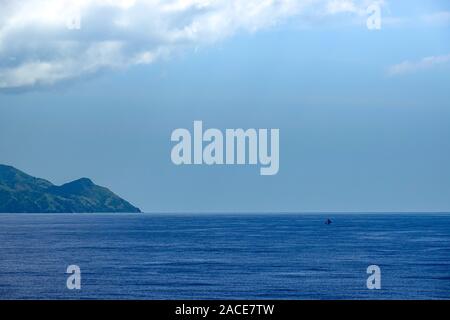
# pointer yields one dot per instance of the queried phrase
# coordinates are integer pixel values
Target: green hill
(22, 193)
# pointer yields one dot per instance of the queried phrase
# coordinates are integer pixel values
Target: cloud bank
(43, 42)
(407, 67)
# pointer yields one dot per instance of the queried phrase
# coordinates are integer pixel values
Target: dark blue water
(145, 256)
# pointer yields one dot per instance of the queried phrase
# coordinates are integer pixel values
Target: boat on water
(328, 221)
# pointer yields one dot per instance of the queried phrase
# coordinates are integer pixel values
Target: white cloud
(341, 6)
(352, 7)
(413, 66)
(36, 47)
(29, 73)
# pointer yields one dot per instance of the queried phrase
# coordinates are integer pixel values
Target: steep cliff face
(22, 193)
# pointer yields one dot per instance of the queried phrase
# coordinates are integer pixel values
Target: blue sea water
(279, 256)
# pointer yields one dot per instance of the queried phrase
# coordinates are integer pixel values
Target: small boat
(328, 221)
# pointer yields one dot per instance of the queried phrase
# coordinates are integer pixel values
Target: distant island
(22, 193)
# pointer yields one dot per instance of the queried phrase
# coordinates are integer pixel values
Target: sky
(364, 115)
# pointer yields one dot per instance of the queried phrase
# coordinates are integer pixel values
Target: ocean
(222, 256)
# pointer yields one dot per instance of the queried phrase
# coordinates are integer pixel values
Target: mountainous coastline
(22, 193)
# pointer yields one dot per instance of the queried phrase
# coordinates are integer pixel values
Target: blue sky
(364, 116)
